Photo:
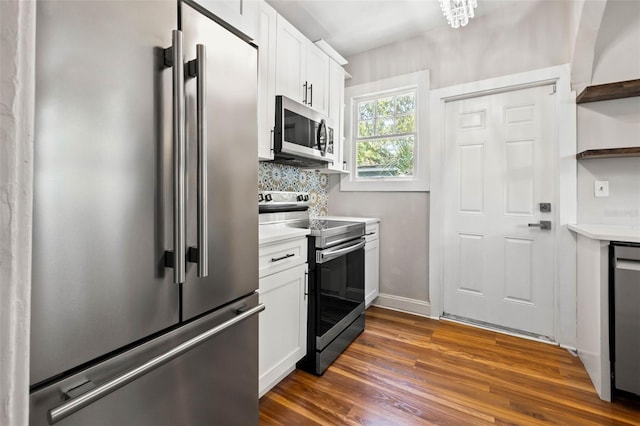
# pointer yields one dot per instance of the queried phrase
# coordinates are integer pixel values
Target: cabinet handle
(286, 256)
(311, 95)
(306, 284)
(271, 139)
(304, 101)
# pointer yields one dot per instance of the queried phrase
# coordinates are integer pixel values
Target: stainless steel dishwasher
(625, 268)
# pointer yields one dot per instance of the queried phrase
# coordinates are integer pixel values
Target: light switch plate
(601, 188)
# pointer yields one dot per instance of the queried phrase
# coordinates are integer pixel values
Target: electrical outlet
(601, 188)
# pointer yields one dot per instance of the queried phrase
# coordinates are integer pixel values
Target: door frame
(566, 187)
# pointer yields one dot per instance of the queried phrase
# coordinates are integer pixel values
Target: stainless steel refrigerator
(144, 309)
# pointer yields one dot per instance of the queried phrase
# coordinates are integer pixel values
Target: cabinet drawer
(280, 256)
(372, 232)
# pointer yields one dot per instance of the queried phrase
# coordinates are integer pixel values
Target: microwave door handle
(322, 130)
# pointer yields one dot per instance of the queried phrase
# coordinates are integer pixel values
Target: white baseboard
(403, 304)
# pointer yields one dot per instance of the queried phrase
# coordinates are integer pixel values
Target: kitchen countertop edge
(366, 220)
(268, 234)
(621, 233)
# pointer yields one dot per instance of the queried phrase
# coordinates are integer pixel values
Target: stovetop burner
(290, 209)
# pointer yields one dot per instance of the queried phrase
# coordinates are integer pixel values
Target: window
(385, 135)
(385, 126)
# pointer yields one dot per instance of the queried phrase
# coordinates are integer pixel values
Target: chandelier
(458, 12)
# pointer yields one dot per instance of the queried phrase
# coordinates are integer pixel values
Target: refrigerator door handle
(200, 254)
(203, 228)
(177, 258)
(76, 404)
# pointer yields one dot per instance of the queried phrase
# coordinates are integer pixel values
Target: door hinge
(553, 89)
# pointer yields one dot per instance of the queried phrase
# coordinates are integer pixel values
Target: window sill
(381, 185)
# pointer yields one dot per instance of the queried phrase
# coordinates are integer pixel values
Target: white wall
(527, 36)
(513, 40)
(612, 124)
(404, 235)
(17, 51)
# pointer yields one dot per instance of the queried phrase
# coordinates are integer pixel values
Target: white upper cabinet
(290, 61)
(302, 69)
(266, 80)
(240, 14)
(317, 79)
(336, 112)
(290, 65)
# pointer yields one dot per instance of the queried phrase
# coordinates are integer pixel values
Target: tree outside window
(386, 135)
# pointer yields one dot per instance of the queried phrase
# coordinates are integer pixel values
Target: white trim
(269, 380)
(17, 70)
(420, 179)
(500, 331)
(403, 304)
(331, 52)
(565, 266)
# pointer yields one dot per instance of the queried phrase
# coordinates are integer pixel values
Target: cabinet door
(290, 53)
(317, 79)
(336, 112)
(239, 14)
(283, 325)
(371, 271)
(266, 80)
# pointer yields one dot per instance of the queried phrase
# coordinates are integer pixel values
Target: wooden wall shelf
(605, 92)
(609, 153)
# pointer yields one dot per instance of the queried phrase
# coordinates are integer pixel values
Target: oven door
(340, 289)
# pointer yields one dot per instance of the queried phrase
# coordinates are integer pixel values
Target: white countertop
(626, 234)
(367, 220)
(276, 233)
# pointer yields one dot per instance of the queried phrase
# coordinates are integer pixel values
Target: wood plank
(609, 153)
(610, 91)
(404, 369)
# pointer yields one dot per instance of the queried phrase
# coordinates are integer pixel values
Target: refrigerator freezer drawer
(202, 373)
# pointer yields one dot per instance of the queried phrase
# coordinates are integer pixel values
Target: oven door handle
(327, 255)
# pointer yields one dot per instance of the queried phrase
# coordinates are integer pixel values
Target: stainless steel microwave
(302, 136)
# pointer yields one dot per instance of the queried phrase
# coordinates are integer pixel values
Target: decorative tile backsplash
(280, 177)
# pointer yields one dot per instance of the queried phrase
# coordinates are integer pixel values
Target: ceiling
(355, 26)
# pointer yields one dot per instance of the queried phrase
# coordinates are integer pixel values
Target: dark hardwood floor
(408, 370)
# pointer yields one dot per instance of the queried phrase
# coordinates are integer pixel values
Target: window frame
(419, 181)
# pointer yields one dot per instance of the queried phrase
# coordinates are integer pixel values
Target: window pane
(405, 104)
(385, 107)
(367, 110)
(405, 124)
(385, 157)
(384, 126)
(365, 129)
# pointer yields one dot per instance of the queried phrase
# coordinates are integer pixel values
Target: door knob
(544, 224)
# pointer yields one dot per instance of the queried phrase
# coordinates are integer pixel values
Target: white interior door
(499, 166)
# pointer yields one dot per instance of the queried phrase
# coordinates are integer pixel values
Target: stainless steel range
(336, 276)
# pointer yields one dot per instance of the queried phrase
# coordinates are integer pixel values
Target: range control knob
(260, 198)
(300, 197)
(268, 197)
(306, 198)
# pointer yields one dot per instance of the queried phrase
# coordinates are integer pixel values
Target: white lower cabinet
(371, 263)
(283, 324)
